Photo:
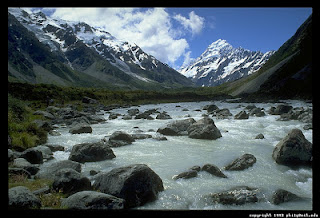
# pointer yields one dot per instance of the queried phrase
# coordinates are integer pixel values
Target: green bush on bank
(21, 129)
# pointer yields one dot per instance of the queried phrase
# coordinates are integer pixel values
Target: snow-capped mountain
(96, 52)
(221, 63)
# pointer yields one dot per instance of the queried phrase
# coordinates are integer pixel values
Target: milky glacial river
(179, 153)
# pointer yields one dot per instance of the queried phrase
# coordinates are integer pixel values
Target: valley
(95, 122)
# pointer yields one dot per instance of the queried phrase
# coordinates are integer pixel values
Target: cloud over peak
(194, 24)
(150, 28)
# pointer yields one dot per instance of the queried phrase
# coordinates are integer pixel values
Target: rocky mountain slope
(221, 63)
(46, 50)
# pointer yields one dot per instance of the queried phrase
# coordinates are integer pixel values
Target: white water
(179, 153)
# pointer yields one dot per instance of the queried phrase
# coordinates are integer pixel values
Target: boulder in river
(258, 112)
(92, 200)
(176, 128)
(281, 196)
(91, 152)
(223, 113)
(242, 115)
(280, 109)
(163, 116)
(120, 138)
(186, 175)
(137, 184)
(241, 163)
(204, 129)
(49, 171)
(214, 170)
(80, 128)
(293, 150)
(211, 108)
(238, 195)
(259, 136)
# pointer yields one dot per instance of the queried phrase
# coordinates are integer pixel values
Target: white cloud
(187, 59)
(195, 23)
(151, 29)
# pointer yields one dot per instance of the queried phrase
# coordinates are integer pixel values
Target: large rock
(137, 184)
(92, 200)
(49, 171)
(241, 163)
(280, 109)
(120, 138)
(70, 181)
(163, 116)
(186, 175)
(46, 152)
(204, 129)
(242, 115)
(281, 196)
(24, 164)
(238, 195)
(32, 155)
(257, 112)
(211, 108)
(293, 150)
(214, 170)
(91, 152)
(143, 116)
(176, 128)
(222, 113)
(80, 128)
(21, 197)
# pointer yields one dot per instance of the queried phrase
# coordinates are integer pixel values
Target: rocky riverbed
(191, 155)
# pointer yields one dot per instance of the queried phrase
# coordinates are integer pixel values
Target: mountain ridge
(87, 51)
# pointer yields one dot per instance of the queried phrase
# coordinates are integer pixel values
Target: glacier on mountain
(220, 63)
(49, 31)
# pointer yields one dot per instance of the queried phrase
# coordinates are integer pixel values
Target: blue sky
(177, 35)
(257, 29)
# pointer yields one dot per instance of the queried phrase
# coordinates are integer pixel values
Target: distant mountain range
(54, 51)
(46, 50)
(221, 63)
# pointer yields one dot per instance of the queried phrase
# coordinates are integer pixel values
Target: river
(179, 153)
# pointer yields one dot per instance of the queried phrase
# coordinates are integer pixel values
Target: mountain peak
(220, 63)
(220, 43)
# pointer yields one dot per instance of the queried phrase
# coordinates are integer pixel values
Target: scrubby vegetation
(23, 132)
(40, 92)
